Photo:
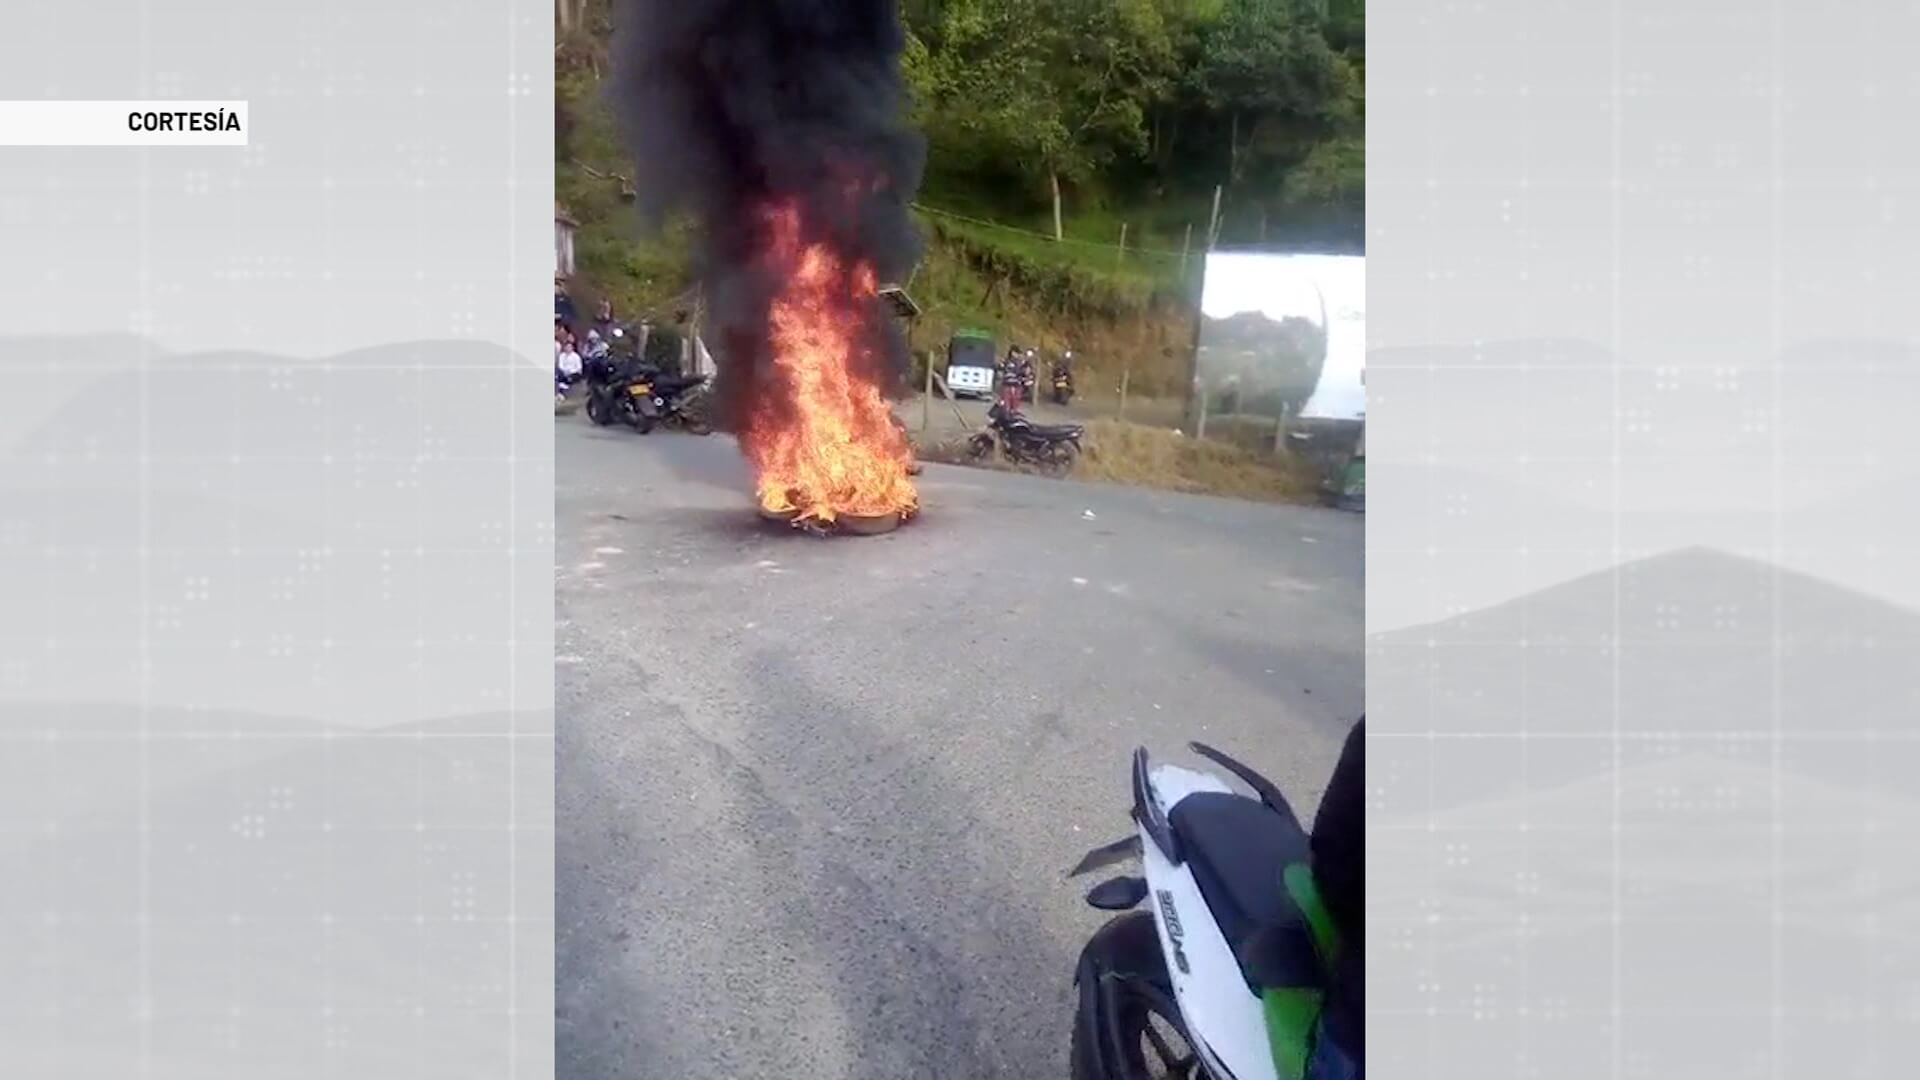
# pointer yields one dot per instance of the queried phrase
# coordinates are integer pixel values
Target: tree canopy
(1131, 100)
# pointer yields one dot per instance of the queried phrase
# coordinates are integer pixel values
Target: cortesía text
(183, 120)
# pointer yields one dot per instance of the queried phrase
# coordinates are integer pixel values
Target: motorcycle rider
(664, 345)
(1010, 398)
(1063, 372)
(1337, 846)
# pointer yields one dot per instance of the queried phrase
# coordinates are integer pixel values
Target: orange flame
(826, 444)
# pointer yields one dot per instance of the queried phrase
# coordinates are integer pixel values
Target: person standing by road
(665, 344)
(1008, 374)
(563, 308)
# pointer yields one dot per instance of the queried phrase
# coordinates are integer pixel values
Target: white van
(970, 367)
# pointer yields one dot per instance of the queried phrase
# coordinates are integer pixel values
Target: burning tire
(842, 525)
(800, 201)
(863, 525)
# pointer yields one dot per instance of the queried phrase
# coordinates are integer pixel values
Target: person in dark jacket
(1338, 846)
(664, 345)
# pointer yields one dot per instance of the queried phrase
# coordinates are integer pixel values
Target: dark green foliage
(1144, 105)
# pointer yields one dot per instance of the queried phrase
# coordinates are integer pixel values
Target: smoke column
(731, 107)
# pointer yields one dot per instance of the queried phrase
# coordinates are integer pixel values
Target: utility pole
(1059, 233)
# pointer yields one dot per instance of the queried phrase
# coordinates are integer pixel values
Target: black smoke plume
(731, 106)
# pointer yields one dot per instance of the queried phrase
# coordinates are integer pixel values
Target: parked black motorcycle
(642, 396)
(1052, 448)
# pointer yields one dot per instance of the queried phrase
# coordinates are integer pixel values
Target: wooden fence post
(1122, 256)
(1185, 243)
(926, 399)
(1125, 374)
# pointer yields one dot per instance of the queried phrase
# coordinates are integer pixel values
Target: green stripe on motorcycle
(1306, 896)
(1291, 1016)
(1292, 1013)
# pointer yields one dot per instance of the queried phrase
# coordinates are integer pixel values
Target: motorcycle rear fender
(647, 405)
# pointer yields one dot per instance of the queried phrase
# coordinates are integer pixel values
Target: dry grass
(1143, 456)
(1138, 455)
(947, 449)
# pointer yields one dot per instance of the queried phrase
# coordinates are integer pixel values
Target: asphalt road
(817, 797)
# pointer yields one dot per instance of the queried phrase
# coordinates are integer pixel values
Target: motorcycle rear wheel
(1122, 968)
(597, 409)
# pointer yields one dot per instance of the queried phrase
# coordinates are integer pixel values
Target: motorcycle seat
(1055, 431)
(1238, 848)
(673, 384)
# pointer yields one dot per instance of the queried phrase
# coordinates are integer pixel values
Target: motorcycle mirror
(1118, 894)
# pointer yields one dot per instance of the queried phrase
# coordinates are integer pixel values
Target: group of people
(576, 348)
(570, 353)
(1018, 376)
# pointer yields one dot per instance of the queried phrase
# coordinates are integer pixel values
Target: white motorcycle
(1232, 956)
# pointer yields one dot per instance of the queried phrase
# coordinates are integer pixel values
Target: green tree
(1057, 88)
(1111, 60)
(1267, 68)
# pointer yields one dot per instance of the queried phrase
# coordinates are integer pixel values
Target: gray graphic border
(276, 717)
(1641, 595)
